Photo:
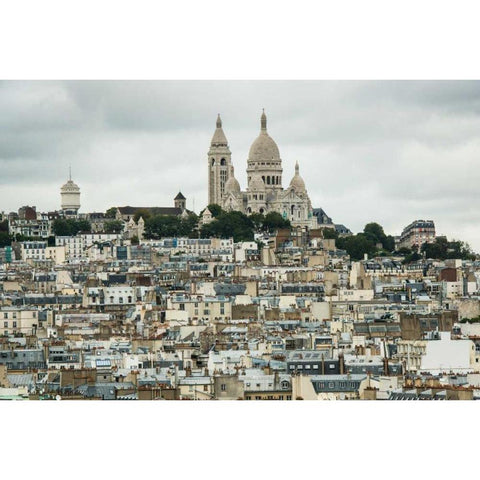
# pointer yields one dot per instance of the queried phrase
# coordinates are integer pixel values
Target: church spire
(297, 168)
(263, 121)
(219, 137)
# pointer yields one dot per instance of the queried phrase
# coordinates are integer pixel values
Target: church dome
(264, 147)
(297, 181)
(232, 185)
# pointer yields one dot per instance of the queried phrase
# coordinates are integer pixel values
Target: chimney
(341, 361)
(385, 366)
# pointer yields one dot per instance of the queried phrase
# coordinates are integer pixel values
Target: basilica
(264, 192)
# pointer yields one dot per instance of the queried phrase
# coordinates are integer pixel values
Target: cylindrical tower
(70, 194)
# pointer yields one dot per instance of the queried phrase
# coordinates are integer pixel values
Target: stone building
(264, 192)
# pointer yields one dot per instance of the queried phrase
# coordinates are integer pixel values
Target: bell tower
(219, 165)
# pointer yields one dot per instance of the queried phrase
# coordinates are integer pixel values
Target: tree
(113, 226)
(411, 257)
(5, 239)
(159, 226)
(356, 246)
(329, 233)
(274, 221)
(230, 224)
(404, 251)
(111, 212)
(70, 226)
(215, 210)
(134, 240)
(83, 226)
(141, 213)
(441, 249)
(257, 219)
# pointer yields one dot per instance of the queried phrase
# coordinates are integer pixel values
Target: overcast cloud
(381, 151)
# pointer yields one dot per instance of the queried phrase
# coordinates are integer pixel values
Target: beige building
(18, 321)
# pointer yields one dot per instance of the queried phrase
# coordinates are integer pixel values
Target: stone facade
(264, 192)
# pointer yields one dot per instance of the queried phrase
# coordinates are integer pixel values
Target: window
(5, 315)
(5, 324)
(223, 387)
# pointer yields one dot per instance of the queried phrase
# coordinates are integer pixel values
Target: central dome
(264, 147)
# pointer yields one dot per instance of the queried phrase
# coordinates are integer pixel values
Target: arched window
(213, 162)
(268, 180)
(263, 178)
(262, 210)
(223, 162)
(292, 209)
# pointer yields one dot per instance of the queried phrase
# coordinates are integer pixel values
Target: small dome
(232, 185)
(264, 147)
(297, 181)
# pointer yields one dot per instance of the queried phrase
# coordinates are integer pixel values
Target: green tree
(158, 226)
(215, 210)
(113, 226)
(189, 226)
(111, 212)
(357, 246)
(329, 233)
(404, 251)
(5, 239)
(411, 257)
(82, 226)
(230, 224)
(141, 213)
(442, 249)
(134, 240)
(258, 220)
(70, 226)
(274, 221)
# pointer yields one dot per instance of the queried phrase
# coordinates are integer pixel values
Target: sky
(384, 151)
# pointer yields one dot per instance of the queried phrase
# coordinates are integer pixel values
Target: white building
(264, 192)
(70, 198)
(447, 355)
